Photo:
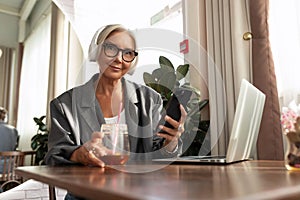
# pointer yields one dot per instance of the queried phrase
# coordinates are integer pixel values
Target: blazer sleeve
(61, 140)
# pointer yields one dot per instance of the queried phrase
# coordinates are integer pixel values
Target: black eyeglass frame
(119, 49)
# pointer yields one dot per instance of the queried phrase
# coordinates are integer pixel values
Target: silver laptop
(244, 131)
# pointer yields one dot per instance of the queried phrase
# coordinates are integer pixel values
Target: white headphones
(94, 48)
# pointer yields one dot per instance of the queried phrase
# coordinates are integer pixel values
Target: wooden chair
(9, 160)
(31, 155)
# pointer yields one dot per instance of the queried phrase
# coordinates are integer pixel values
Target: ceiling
(11, 7)
(19, 8)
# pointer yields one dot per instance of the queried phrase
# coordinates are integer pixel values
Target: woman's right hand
(89, 152)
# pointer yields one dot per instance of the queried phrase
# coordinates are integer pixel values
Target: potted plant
(39, 142)
(165, 80)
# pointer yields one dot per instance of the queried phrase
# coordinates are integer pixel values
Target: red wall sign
(184, 46)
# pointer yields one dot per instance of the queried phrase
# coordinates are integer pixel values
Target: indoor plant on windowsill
(39, 142)
(165, 80)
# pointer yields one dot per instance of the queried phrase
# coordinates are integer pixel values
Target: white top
(114, 120)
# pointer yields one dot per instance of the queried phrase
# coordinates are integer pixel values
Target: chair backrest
(31, 155)
(9, 160)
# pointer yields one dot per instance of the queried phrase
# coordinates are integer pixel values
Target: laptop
(244, 131)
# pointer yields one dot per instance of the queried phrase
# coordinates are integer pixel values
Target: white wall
(9, 28)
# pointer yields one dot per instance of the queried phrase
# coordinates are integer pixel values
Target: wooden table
(244, 180)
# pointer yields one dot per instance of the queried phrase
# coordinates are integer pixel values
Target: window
(87, 16)
(35, 69)
(284, 22)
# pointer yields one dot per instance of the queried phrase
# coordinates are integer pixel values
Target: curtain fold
(270, 144)
(231, 55)
(17, 83)
(66, 57)
(57, 82)
(5, 75)
(8, 78)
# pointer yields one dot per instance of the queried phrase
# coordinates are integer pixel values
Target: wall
(9, 30)
(40, 10)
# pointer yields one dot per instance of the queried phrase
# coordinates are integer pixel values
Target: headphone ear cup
(94, 47)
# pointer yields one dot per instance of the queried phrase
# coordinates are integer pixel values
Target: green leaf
(34, 145)
(164, 91)
(182, 71)
(168, 80)
(39, 155)
(148, 78)
(43, 128)
(39, 121)
(158, 74)
(43, 138)
(42, 117)
(165, 63)
(35, 137)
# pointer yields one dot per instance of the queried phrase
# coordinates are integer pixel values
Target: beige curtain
(223, 27)
(5, 73)
(270, 145)
(57, 56)
(231, 55)
(66, 56)
(235, 35)
(15, 101)
(8, 79)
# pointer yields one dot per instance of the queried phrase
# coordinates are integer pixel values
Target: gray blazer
(76, 114)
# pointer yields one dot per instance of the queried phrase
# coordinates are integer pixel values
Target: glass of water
(117, 142)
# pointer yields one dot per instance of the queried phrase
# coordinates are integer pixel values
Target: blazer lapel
(132, 106)
(86, 109)
(139, 128)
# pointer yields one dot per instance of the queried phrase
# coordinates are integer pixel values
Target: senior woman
(77, 114)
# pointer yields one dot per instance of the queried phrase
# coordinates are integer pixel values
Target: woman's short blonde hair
(101, 35)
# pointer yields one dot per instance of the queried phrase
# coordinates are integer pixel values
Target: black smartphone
(172, 109)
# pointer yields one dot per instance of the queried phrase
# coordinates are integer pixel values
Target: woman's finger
(96, 135)
(93, 160)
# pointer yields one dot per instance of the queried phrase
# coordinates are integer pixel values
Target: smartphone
(172, 109)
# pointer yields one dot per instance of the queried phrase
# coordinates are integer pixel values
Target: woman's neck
(110, 97)
(108, 87)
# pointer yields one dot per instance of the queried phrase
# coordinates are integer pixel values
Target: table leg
(52, 195)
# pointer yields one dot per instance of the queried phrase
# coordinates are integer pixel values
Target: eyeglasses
(112, 50)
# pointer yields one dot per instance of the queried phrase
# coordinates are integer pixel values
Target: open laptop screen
(244, 131)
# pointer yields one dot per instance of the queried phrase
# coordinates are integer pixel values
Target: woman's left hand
(172, 135)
